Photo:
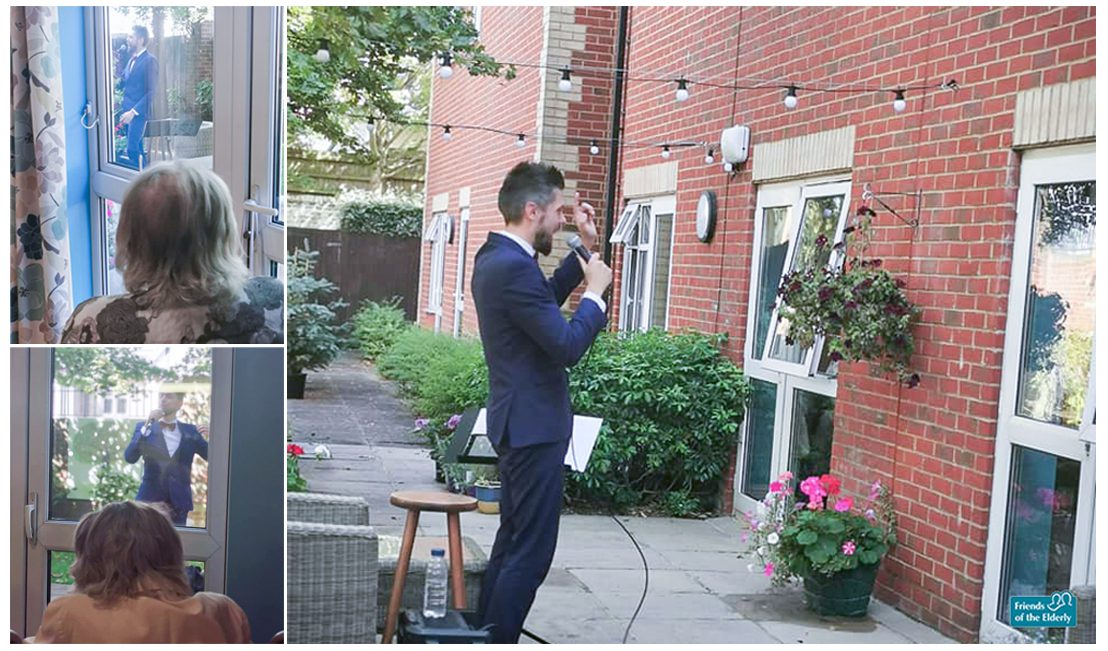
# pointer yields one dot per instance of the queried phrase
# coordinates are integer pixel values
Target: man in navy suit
(167, 447)
(140, 78)
(528, 347)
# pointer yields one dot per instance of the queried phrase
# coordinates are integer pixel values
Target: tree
(374, 52)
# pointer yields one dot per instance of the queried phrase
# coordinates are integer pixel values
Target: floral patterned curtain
(41, 287)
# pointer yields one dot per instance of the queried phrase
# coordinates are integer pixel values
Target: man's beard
(544, 242)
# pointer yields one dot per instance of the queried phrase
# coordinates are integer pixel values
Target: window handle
(30, 519)
(253, 206)
(85, 115)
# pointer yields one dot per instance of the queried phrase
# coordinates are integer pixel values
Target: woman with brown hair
(180, 251)
(130, 586)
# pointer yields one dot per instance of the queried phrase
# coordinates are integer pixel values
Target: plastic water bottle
(434, 590)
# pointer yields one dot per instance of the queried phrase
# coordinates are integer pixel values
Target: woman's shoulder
(265, 291)
(106, 319)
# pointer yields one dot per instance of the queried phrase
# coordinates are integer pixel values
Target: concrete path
(700, 591)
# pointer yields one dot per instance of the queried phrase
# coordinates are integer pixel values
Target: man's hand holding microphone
(155, 416)
(598, 276)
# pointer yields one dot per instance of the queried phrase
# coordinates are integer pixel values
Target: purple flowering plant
(790, 538)
(859, 307)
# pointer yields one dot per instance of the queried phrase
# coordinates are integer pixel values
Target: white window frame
(459, 280)
(787, 378)
(247, 147)
(437, 234)
(625, 230)
(809, 191)
(1038, 167)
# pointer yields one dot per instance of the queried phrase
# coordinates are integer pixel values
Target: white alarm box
(734, 144)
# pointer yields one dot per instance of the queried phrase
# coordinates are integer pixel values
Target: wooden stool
(415, 502)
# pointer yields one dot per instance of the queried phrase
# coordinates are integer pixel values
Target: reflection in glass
(660, 291)
(101, 455)
(61, 582)
(819, 219)
(1039, 532)
(813, 428)
(758, 449)
(114, 278)
(1061, 302)
(161, 84)
(775, 244)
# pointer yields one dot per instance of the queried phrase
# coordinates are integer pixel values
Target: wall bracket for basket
(868, 194)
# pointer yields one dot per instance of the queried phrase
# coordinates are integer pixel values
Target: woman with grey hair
(180, 252)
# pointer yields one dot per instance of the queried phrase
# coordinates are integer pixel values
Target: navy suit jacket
(528, 344)
(138, 86)
(166, 478)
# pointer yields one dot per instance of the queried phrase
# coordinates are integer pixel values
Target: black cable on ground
(533, 636)
(646, 579)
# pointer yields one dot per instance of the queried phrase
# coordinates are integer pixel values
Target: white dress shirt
(173, 436)
(530, 251)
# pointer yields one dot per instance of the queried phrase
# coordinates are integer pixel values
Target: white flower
(761, 526)
(751, 568)
(761, 551)
(772, 538)
(322, 452)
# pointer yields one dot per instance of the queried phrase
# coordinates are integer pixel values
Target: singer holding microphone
(167, 447)
(529, 346)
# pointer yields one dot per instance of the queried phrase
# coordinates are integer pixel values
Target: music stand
(467, 446)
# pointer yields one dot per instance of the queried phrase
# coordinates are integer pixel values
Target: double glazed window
(438, 233)
(790, 420)
(645, 229)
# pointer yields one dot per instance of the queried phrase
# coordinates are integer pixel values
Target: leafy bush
(313, 338)
(377, 326)
(392, 219)
(672, 405)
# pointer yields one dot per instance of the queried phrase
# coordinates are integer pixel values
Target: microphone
(574, 243)
(150, 421)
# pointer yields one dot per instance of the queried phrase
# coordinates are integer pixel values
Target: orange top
(203, 617)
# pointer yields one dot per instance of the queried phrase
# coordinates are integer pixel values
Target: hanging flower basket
(860, 309)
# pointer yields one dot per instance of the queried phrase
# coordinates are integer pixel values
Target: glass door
(89, 437)
(203, 84)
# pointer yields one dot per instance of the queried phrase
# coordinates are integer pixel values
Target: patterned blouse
(258, 317)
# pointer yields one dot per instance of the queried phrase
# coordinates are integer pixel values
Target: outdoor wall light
(446, 68)
(565, 84)
(790, 97)
(682, 90)
(899, 104)
(594, 148)
(323, 54)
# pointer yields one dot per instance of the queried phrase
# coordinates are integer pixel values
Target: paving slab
(699, 631)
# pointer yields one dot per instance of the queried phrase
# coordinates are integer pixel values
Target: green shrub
(453, 381)
(313, 339)
(392, 219)
(377, 326)
(672, 405)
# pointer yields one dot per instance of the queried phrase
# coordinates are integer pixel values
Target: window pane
(775, 245)
(113, 277)
(162, 89)
(661, 271)
(813, 428)
(1061, 301)
(1039, 532)
(61, 582)
(758, 450)
(99, 457)
(819, 218)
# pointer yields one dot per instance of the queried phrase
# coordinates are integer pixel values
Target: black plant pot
(296, 385)
(843, 594)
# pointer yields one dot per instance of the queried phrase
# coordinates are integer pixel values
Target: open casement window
(646, 232)
(821, 211)
(1042, 527)
(437, 235)
(208, 90)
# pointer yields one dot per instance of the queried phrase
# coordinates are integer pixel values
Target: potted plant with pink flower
(834, 545)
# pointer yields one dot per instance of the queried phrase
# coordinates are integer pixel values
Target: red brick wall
(933, 444)
(480, 160)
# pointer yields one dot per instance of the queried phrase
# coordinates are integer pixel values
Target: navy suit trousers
(531, 484)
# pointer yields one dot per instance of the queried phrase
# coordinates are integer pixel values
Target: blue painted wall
(71, 23)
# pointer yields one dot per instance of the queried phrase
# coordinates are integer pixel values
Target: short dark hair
(534, 182)
(141, 32)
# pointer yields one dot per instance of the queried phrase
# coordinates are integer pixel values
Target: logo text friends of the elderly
(1057, 610)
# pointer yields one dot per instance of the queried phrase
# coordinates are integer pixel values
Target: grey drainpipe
(616, 128)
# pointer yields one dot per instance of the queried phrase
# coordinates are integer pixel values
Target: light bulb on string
(446, 135)
(682, 90)
(790, 98)
(709, 158)
(521, 141)
(665, 151)
(446, 68)
(899, 104)
(594, 148)
(565, 84)
(323, 53)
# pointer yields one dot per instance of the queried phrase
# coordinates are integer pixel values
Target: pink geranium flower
(849, 548)
(844, 504)
(776, 487)
(769, 569)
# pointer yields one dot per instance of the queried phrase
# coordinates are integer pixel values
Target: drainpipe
(616, 127)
